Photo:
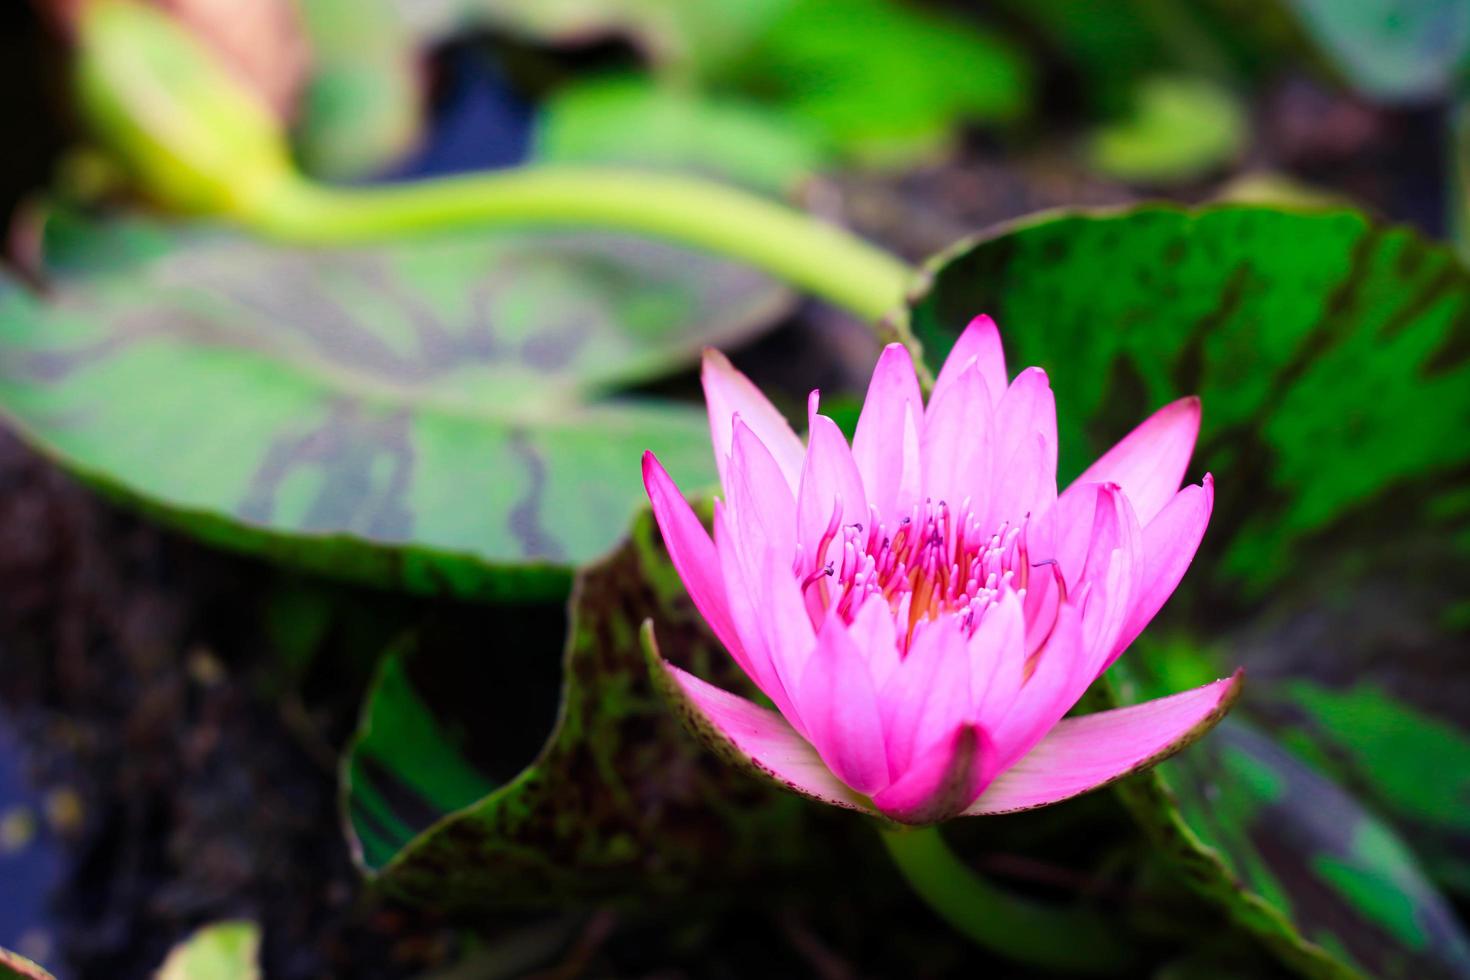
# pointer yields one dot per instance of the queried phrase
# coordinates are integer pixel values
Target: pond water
(31, 859)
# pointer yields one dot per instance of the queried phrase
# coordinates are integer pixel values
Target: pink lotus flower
(922, 607)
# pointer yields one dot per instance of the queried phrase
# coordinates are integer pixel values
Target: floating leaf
(632, 120)
(1410, 766)
(1320, 343)
(619, 800)
(1264, 314)
(13, 966)
(1392, 50)
(1180, 128)
(223, 951)
(436, 414)
(1298, 861)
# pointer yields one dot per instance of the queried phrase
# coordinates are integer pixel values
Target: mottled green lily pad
(1319, 342)
(1297, 860)
(439, 414)
(1333, 359)
(1412, 767)
(620, 800)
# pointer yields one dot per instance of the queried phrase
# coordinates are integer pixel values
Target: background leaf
(223, 951)
(362, 104)
(634, 120)
(620, 800)
(437, 414)
(1316, 340)
(1180, 128)
(1392, 50)
(1412, 767)
(1263, 314)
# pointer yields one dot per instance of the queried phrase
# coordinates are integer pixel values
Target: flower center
(932, 562)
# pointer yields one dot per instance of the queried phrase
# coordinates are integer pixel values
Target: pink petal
(693, 555)
(1149, 462)
(742, 576)
(1169, 543)
(1025, 450)
(727, 393)
(1080, 533)
(943, 781)
(840, 709)
(1049, 692)
(762, 508)
(828, 477)
(1082, 754)
(997, 652)
(928, 695)
(876, 636)
(978, 344)
(956, 443)
(754, 737)
(885, 446)
(783, 622)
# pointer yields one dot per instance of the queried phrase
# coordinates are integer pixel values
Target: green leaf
(620, 798)
(223, 951)
(633, 120)
(1180, 128)
(438, 414)
(1331, 357)
(362, 107)
(1413, 768)
(1298, 861)
(883, 83)
(682, 34)
(1392, 50)
(13, 966)
(1263, 313)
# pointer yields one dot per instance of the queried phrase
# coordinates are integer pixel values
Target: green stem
(1072, 940)
(794, 246)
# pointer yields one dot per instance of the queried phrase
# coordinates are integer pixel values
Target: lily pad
(619, 802)
(439, 414)
(1412, 767)
(1332, 356)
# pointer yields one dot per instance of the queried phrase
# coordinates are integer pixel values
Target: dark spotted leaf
(1331, 357)
(1412, 767)
(1297, 860)
(619, 800)
(439, 414)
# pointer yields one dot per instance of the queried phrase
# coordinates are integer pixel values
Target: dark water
(30, 857)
